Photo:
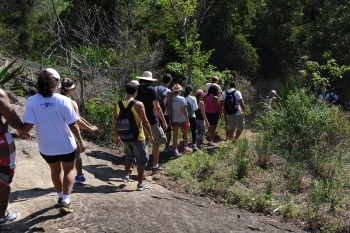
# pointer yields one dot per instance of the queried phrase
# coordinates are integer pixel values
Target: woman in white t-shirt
(179, 118)
(56, 126)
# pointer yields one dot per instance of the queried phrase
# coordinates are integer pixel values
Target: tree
(190, 15)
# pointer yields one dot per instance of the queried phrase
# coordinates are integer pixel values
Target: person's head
(135, 82)
(177, 89)
(131, 89)
(199, 94)
(167, 79)
(146, 78)
(215, 79)
(67, 86)
(232, 84)
(188, 90)
(272, 94)
(332, 90)
(213, 90)
(48, 81)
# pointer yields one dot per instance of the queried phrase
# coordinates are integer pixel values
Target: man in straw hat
(148, 96)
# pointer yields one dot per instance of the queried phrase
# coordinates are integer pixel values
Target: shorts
(180, 124)
(137, 150)
(235, 122)
(7, 151)
(66, 158)
(6, 175)
(213, 118)
(158, 135)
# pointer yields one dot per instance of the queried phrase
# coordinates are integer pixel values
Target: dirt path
(105, 204)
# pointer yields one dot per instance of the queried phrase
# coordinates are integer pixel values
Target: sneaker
(59, 203)
(160, 167)
(126, 179)
(10, 217)
(80, 179)
(211, 144)
(194, 147)
(176, 152)
(187, 150)
(66, 208)
(141, 187)
(168, 149)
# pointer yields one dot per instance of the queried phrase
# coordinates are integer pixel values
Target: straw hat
(147, 75)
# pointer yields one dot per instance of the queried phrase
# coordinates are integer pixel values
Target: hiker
(201, 119)
(148, 96)
(164, 94)
(214, 81)
(271, 101)
(212, 111)
(56, 126)
(7, 156)
(134, 143)
(179, 118)
(67, 88)
(234, 106)
(191, 105)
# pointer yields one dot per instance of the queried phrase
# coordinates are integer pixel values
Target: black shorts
(213, 118)
(64, 158)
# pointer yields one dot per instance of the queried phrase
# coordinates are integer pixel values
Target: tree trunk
(82, 96)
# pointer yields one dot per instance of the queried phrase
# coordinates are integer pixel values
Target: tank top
(209, 105)
(198, 114)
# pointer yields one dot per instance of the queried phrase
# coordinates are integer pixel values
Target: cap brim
(147, 78)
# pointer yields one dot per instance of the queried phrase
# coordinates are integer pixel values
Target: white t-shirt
(207, 86)
(238, 96)
(161, 88)
(193, 102)
(51, 116)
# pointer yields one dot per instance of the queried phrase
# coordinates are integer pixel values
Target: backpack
(161, 97)
(230, 105)
(128, 131)
(189, 109)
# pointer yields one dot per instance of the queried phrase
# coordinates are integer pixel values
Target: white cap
(55, 75)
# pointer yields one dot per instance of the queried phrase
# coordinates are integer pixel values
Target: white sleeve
(223, 96)
(29, 114)
(194, 105)
(238, 95)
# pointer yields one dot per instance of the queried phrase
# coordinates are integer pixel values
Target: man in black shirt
(148, 96)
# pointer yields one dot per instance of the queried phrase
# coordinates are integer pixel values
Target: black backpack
(128, 131)
(230, 105)
(161, 97)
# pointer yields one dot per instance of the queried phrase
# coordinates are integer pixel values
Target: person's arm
(116, 136)
(24, 132)
(184, 111)
(159, 112)
(169, 96)
(140, 109)
(216, 102)
(201, 107)
(241, 103)
(81, 123)
(8, 112)
(74, 128)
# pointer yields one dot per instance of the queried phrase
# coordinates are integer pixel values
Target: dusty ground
(105, 204)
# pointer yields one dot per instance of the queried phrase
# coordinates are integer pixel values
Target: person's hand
(207, 123)
(117, 142)
(244, 113)
(164, 125)
(150, 138)
(82, 147)
(94, 128)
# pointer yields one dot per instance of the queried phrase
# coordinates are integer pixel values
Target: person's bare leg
(176, 134)
(238, 133)
(68, 176)
(140, 172)
(56, 175)
(5, 191)
(230, 134)
(168, 138)
(78, 163)
(155, 153)
(128, 164)
(185, 136)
